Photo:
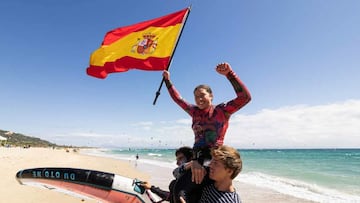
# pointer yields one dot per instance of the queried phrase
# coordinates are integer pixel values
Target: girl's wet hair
(206, 87)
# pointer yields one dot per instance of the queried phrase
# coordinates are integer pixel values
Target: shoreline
(15, 159)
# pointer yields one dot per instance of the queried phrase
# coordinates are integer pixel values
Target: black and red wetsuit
(209, 126)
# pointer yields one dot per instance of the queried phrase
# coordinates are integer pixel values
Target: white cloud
(331, 125)
(144, 123)
(184, 121)
(302, 126)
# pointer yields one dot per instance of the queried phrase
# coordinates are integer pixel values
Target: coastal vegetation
(18, 139)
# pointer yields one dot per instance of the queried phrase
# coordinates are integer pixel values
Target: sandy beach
(15, 159)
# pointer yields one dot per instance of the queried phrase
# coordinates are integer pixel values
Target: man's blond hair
(230, 157)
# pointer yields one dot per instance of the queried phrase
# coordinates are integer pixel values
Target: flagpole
(167, 68)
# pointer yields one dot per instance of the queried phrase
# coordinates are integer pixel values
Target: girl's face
(203, 99)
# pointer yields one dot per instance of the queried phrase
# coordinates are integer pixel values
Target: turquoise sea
(320, 175)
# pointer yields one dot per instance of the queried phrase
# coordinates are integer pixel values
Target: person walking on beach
(224, 166)
(209, 123)
(183, 160)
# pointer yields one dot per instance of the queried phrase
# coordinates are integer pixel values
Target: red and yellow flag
(146, 46)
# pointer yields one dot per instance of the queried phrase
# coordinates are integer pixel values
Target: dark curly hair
(186, 151)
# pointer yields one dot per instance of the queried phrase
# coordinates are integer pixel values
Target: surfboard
(99, 185)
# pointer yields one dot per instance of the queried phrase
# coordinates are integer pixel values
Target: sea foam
(296, 188)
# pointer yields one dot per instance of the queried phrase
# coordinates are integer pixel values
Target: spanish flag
(147, 45)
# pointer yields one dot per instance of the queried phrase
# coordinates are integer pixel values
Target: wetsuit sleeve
(165, 195)
(242, 93)
(175, 95)
(177, 172)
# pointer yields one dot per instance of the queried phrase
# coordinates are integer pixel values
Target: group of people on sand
(206, 170)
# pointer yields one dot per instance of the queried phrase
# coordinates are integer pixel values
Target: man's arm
(164, 195)
(179, 171)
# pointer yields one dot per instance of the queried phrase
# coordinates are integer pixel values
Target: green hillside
(17, 139)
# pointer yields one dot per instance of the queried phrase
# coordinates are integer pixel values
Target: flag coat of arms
(147, 45)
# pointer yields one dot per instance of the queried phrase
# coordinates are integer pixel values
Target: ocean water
(320, 175)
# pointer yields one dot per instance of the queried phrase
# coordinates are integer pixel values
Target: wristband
(196, 155)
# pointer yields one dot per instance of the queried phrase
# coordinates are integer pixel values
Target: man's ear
(229, 171)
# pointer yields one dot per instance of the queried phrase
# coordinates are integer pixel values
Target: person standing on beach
(224, 166)
(183, 160)
(209, 123)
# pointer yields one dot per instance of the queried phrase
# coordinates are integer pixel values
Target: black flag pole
(177, 41)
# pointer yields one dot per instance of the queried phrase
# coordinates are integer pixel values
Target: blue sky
(299, 59)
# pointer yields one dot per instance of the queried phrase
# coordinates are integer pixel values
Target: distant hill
(17, 139)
